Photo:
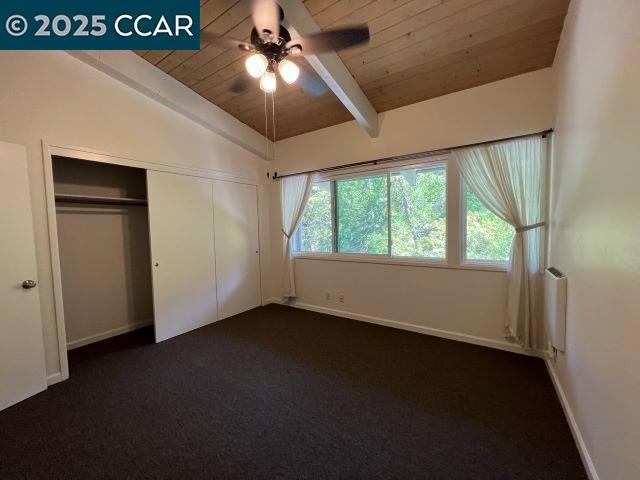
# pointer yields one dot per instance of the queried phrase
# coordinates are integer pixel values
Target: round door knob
(156, 264)
(28, 284)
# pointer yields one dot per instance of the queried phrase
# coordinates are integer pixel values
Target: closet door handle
(28, 284)
(156, 264)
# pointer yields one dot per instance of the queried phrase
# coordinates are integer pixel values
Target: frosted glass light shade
(256, 65)
(268, 82)
(289, 71)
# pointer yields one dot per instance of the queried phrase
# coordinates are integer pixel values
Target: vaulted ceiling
(419, 49)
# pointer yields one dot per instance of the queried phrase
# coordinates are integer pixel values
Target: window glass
(362, 215)
(416, 200)
(419, 212)
(314, 231)
(488, 237)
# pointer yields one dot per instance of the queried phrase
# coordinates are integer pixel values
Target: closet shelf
(64, 198)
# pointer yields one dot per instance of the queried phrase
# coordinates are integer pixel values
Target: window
(361, 205)
(488, 238)
(314, 233)
(399, 213)
(418, 212)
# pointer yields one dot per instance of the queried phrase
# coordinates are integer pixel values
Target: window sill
(400, 261)
(485, 264)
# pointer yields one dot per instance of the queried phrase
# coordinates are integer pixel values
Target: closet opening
(104, 247)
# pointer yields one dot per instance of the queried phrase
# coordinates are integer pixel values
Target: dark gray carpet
(283, 393)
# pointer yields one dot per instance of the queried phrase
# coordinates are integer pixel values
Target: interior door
(237, 247)
(182, 253)
(22, 364)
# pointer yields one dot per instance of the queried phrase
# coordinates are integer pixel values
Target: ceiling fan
(271, 44)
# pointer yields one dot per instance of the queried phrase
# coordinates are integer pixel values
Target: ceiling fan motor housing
(274, 51)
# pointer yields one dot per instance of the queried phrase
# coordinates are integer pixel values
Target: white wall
(54, 96)
(430, 299)
(433, 300)
(595, 227)
(106, 276)
(514, 106)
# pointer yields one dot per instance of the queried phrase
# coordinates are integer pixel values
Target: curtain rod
(411, 156)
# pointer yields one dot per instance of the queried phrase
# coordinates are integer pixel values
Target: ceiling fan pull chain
(266, 126)
(273, 122)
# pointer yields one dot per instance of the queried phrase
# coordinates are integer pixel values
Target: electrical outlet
(341, 298)
(327, 296)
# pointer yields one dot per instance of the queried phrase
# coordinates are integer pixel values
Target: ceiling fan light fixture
(289, 71)
(268, 82)
(256, 65)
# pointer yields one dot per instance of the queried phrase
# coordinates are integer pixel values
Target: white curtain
(294, 193)
(509, 178)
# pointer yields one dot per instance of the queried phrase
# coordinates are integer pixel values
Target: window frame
(455, 225)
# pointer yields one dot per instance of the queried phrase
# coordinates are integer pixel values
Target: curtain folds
(294, 193)
(509, 178)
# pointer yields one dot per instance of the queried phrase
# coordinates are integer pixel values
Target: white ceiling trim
(331, 68)
(137, 73)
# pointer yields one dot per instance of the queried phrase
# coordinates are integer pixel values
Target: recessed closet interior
(142, 247)
(103, 242)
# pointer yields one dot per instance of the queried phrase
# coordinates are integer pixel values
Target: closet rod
(411, 156)
(92, 199)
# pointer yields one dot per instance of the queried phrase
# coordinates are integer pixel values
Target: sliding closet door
(237, 247)
(182, 253)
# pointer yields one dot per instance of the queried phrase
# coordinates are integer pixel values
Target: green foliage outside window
(362, 215)
(315, 225)
(418, 218)
(488, 237)
(419, 212)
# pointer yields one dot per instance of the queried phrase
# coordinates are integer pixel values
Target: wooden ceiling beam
(331, 69)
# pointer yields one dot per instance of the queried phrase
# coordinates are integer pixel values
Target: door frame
(49, 150)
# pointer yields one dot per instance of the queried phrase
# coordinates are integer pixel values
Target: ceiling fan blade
(329, 40)
(241, 84)
(210, 38)
(266, 16)
(310, 83)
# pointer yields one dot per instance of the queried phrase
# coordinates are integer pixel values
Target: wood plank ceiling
(419, 49)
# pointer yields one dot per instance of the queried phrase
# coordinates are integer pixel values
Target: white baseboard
(461, 337)
(271, 300)
(571, 419)
(108, 334)
(54, 378)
